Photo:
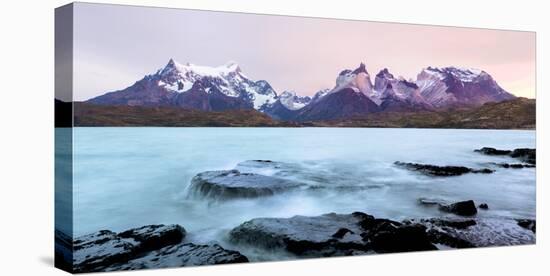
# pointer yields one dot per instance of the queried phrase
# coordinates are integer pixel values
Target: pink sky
(117, 45)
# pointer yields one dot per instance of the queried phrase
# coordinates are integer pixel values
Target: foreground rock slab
(332, 235)
(326, 235)
(186, 254)
(151, 246)
(481, 232)
(231, 184)
(98, 250)
(433, 170)
(530, 224)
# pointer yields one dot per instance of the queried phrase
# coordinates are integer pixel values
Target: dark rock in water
(360, 233)
(513, 165)
(385, 236)
(269, 168)
(528, 224)
(304, 236)
(283, 170)
(332, 235)
(484, 170)
(434, 170)
(151, 246)
(153, 237)
(232, 184)
(101, 249)
(96, 251)
(263, 161)
(438, 231)
(185, 254)
(442, 237)
(341, 233)
(485, 232)
(462, 208)
(525, 155)
(403, 238)
(493, 151)
(483, 206)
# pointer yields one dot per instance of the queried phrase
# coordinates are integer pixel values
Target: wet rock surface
(462, 208)
(258, 178)
(528, 224)
(301, 236)
(452, 223)
(286, 170)
(158, 246)
(326, 235)
(387, 236)
(231, 184)
(148, 246)
(433, 170)
(512, 165)
(95, 251)
(526, 155)
(185, 254)
(332, 235)
(359, 233)
(153, 237)
(493, 151)
(485, 232)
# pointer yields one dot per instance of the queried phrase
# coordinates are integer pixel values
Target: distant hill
(100, 115)
(226, 87)
(519, 113)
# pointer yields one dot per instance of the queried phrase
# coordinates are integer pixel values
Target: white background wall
(26, 133)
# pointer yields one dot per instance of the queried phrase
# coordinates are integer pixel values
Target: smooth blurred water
(129, 177)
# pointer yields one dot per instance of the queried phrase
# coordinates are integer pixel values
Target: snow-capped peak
(321, 93)
(189, 68)
(461, 73)
(287, 94)
(232, 66)
(179, 77)
(227, 78)
(292, 101)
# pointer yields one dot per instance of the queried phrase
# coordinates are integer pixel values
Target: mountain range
(226, 87)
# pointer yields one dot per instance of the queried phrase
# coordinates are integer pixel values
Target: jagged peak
(455, 69)
(360, 69)
(288, 93)
(232, 66)
(171, 63)
(384, 73)
(344, 72)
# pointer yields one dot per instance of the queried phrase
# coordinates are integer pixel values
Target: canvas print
(189, 138)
